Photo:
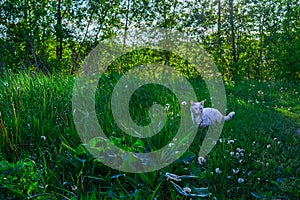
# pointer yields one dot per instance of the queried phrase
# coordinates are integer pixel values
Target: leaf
(257, 196)
(201, 192)
(187, 157)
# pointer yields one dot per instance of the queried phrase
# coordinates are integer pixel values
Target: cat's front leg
(205, 123)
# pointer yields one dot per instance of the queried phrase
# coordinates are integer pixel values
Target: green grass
(257, 156)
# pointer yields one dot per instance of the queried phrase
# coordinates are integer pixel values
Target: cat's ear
(192, 103)
(202, 102)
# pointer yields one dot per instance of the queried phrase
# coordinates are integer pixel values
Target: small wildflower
(167, 106)
(218, 171)
(5, 84)
(239, 149)
(232, 153)
(279, 142)
(183, 103)
(258, 179)
(74, 187)
(268, 146)
(228, 177)
(260, 92)
(126, 86)
(43, 138)
(230, 141)
(275, 139)
(201, 160)
(240, 180)
(18, 88)
(235, 171)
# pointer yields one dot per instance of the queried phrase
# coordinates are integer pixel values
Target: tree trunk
(233, 51)
(59, 41)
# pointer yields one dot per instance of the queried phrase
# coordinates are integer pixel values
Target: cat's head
(197, 107)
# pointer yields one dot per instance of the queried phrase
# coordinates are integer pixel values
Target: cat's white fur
(205, 116)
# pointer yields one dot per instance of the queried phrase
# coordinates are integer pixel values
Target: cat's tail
(229, 116)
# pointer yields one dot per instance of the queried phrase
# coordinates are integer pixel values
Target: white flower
(232, 153)
(5, 84)
(230, 141)
(239, 149)
(218, 171)
(43, 138)
(201, 160)
(183, 103)
(235, 171)
(268, 146)
(240, 180)
(167, 106)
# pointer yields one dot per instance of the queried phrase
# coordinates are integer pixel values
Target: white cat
(205, 116)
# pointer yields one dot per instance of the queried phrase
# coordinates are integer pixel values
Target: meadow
(42, 157)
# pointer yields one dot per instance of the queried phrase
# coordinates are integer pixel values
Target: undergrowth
(42, 157)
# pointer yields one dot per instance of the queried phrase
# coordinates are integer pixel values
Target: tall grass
(42, 157)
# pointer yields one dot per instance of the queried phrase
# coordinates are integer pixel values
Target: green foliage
(247, 39)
